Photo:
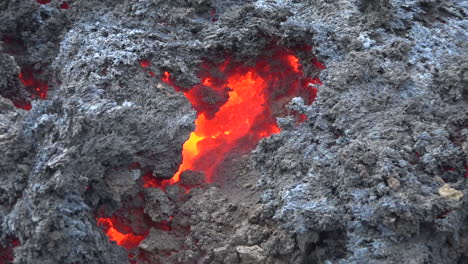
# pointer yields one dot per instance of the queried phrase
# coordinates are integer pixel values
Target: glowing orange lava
(127, 241)
(238, 108)
(217, 136)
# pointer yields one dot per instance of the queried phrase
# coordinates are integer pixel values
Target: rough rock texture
(192, 178)
(160, 241)
(157, 205)
(377, 174)
(9, 83)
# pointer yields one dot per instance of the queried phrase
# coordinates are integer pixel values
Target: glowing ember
(318, 65)
(152, 182)
(238, 107)
(145, 63)
(23, 105)
(64, 5)
(36, 87)
(6, 253)
(43, 2)
(166, 77)
(127, 241)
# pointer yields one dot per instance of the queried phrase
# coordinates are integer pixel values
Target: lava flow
(237, 106)
(127, 241)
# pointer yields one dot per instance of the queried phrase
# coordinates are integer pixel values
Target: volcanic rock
(121, 181)
(372, 171)
(250, 255)
(158, 206)
(206, 100)
(220, 253)
(161, 241)
(449, 193)
(192, 178)
(175, 193)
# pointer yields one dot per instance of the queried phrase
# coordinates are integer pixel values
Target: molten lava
(237, 106)
(145, 63)
(127, 241)
(37, 89)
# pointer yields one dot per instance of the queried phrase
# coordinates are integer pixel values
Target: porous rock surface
(370, 177)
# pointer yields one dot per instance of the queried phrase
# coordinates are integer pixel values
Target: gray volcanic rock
(251, 255)
(159, 240)
(192, 178)
(376, 174)
(157, 205)
(9, 83)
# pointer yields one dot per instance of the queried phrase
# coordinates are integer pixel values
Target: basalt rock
(375, 173)
(192, 178)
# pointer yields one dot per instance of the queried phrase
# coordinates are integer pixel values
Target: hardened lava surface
(94, 115)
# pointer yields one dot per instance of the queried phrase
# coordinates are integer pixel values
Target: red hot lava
(35, 87)
(145, 63)
(237, 105)
(127, 241)
(64, 5)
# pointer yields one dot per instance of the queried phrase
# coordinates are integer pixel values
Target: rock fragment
(158, 206)
(192, 178)
(449, 193)
(120, 181)
(393, 183)
(253, 254)
(160, 240)
(175, 192)
(220, 253)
